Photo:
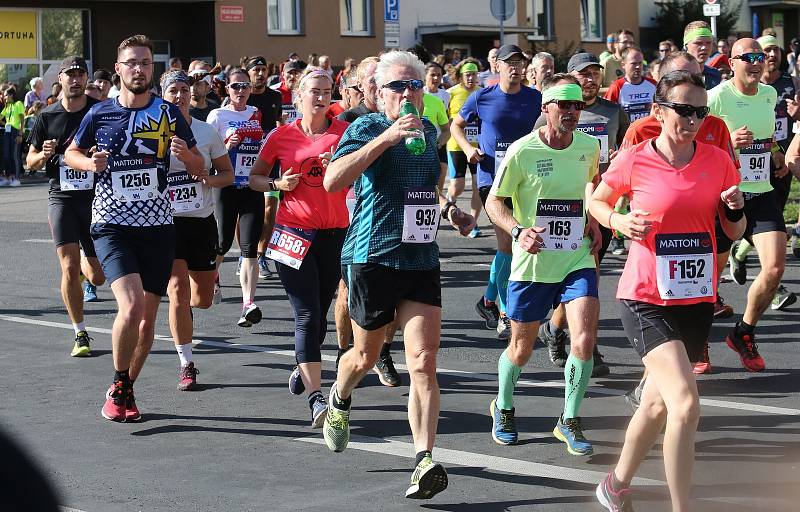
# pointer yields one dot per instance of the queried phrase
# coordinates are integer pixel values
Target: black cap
(509, 50)
(73, 62)
(298, 65)
(581, 61)
(252, 62)
(101, 74)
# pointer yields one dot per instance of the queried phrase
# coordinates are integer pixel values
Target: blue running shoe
(89, 292)
(263, 268)
(475, 233)
(570, 432)
(504, 430)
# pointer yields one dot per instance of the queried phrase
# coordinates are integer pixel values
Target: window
(283, 17)
(540, 18)
(355, 17)
(592, 20)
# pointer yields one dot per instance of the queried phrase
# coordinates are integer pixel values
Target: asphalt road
(242, 442)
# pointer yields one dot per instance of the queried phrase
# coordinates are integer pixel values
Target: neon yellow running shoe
(336, 429)
(81, 347)
(429, 478)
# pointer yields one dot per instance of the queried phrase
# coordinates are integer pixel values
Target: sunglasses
(400, 86)
(752, 57)
(685, 110)
(568, 104)
(239, 86)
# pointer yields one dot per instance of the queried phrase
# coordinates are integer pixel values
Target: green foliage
(673, 16)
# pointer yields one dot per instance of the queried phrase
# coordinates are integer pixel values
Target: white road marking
(38, 241)
(722, 404)
(70, 509)
(479, 460)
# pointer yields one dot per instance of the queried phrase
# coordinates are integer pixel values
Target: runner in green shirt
(546, 174)
(748, 109)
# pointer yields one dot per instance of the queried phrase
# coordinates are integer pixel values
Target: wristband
(272, 186)
(609, 219)
(733, 215)
(775, 148)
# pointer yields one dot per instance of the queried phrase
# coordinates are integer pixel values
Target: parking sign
(391, 10)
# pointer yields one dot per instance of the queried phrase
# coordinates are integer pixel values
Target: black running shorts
(69, 222)
(375, 291)
(648, 325)
(196, 242)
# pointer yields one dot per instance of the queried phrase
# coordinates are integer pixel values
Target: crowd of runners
(343, 199)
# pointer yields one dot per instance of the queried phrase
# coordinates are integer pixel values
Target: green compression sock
(742, 250)
(576, 375)
(507, 375)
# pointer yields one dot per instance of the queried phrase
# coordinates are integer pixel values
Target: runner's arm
(224, 176)
(457, 131)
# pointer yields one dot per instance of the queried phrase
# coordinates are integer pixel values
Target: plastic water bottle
(416, 143)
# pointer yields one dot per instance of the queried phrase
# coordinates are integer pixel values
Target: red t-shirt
(713, 131)
(335, 110)
(309, 205)
(286, 93)
(680, 201)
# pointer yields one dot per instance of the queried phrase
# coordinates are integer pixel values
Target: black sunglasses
(751, 57)
(567, 104)
(400, 86)
(684, 110)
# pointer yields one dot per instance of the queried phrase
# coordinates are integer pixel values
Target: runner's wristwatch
(516, 231)
(272, 186)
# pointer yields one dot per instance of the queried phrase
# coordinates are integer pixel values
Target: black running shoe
(600, 368)
(555, 345)
(489, 313)
(387, 374)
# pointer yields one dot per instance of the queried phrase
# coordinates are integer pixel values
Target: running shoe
(783, 299)
(489, 313)
(614, 501)
(475, 233)
(722, 310)
(703, 365)
(336, 429)
(387, 374)
(14, 182)
(745, 345)
(634, 396)
(89, 292)
(3, 181)
(319, 411)
(555, 344)
(795, 244)
(114, 407)
(263, 268)
(132, 412)
(737, 269)
(504, 428)
(187, 377)
(428, 479)
(81, 347)
(600, 368)
(617, 246)
(570, 432)
(503, 328)
(296, 386)
(251, 314)
(239, 267)
(217, 298)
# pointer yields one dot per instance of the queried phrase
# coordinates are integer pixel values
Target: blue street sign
(391, 10)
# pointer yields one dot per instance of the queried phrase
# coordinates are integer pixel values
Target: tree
(673, 16)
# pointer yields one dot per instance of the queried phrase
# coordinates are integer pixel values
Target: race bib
(600, 132)
(71, 179)
(420, 215)
(684, 266)
(289, 245)
(563, 220)
(246, 156)
(637, 110)
(781, 128)
(473, 132)
(134, 178)
(754, 161)
(185, 194)
(500, 149)
(291, 113)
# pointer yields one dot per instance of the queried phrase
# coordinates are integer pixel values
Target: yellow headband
(697, 34)
(568, 92)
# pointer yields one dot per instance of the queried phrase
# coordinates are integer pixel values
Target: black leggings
(247, 206)
(311, 289)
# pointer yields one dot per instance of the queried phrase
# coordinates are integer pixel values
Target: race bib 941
(754, 161)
